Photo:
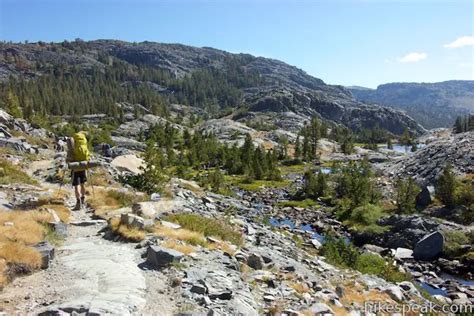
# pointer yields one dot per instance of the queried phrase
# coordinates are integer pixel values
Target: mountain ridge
(434, 104)
(278, 86)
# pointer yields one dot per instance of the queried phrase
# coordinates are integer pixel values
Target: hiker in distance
(78, 151)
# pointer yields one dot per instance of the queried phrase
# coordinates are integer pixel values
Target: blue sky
(349, 42)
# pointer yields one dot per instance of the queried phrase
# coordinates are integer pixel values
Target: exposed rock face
(431, 104)
(428, 163)
(284, 88)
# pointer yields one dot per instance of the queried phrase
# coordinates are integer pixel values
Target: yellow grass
(102, 200)
(183, 248)
(299, 287)
(19, 254)
(62, 211)
(224, 246)
(3, 271)
(129, 233)
(27, 227)
(193, 238)
(100, 177)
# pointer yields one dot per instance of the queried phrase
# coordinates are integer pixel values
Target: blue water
(325, 170)
(307, 228)
(431, 290)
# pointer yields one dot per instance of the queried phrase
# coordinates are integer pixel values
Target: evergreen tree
(297, 148)
(405, 195)
(446, 187)
(389, 143)
(12, 105)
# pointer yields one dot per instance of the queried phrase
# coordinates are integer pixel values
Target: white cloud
(461, 42)
(412, 57)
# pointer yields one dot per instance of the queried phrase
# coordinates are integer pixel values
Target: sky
(347, 42)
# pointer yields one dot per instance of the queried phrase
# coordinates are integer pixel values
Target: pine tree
(297, 148)
(446, 187)
(12, 105)
(405, 195)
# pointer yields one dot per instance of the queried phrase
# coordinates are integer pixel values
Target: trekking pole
(92, 184)
(61, 183)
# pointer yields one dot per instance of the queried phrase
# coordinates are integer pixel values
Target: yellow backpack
(81, 151)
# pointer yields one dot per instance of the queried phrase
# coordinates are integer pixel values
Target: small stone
(170, 225)
(8, 224)
(395, 293)
(198, 289)
(320, 309)
(268, 298)
(255, 261)
(316, 243)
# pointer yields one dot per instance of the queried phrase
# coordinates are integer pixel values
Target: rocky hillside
(246, 86)
(443, 148)
(431, 104)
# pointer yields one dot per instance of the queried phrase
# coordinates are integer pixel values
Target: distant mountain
(431, 104)
(90, 76)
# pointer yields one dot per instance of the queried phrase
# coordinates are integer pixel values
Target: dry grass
(27, 226)
(3, 272)
(18, 254)
(183, 248)
(208, 227)
(191, 237)
(353, 295)
(100, 177)
(223, 246)
(127, 232)
(300, 288)
(103, 200)
(62, 211)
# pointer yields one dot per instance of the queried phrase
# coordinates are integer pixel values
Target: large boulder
(129, 163)
(429, 247)
(424, 198)
(159, 257)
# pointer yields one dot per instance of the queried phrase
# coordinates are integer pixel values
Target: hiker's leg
(83, 189)
(76, 192)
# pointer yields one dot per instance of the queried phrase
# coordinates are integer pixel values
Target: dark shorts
(78, 177)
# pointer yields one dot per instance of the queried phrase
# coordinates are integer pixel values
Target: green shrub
(13, 174)
(339, 252)
(454, 240)
(367, 214)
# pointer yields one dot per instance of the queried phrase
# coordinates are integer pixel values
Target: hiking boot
(83, 201)
(78, 206)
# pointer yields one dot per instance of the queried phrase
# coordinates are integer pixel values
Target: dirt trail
(90, 274)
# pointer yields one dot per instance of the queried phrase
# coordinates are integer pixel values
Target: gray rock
(395, 293)
(255, 261)
(320, 309)
(145, 209)
(47, 253)
(159, 257)
(60, 229)
(132, 220)
(424, 198)
(198, 289)
(403, 253)
(429, 246)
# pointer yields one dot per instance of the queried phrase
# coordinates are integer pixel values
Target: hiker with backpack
(78, 151)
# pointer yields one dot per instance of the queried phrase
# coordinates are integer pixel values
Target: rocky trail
(89, 274)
